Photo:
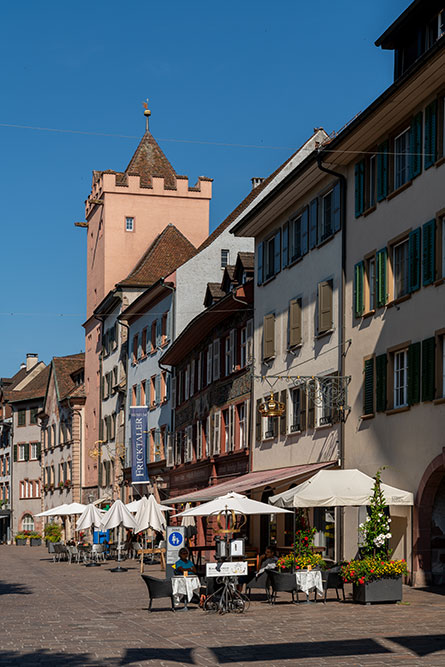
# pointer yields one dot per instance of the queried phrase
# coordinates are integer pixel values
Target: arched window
(27, 522)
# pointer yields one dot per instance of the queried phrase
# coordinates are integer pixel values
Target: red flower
(361, 580)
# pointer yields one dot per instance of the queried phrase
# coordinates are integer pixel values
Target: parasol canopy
(339, 488)
(149, 515)
(232, 502)
(91, 516)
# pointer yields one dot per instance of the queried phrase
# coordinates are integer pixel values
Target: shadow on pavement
(44, 657)
(7, 588)
(261, 652)
(421, 645)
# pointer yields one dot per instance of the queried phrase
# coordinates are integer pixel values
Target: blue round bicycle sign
(175, 539)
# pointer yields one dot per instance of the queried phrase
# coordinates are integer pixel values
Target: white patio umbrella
(64, 510)
(189, 523)
(233, 502)
(136, 504)
(91, 516)
(339, 488)
(149, 515)
(118, 516)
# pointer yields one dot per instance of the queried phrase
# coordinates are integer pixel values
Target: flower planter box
(21, 542)
(381, 590)
(35, 541)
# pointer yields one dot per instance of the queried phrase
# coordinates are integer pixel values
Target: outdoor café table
(308, 580)
(185, 587)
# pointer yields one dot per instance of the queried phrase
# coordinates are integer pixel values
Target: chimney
(31, 360)
(256, 180)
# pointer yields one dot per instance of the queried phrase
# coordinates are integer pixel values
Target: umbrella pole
(119, 568)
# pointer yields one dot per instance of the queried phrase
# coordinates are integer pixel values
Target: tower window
(224, 258)
(129, 224)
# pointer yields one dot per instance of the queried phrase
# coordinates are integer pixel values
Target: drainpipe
(342, 318)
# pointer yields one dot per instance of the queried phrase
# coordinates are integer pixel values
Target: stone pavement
(60, 614)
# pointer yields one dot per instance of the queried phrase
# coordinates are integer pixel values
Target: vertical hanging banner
(139, 428)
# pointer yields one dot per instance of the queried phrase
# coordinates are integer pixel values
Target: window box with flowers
(375, 577)
(67, 484)
(302, 557)
(21, 539)
(61, 486)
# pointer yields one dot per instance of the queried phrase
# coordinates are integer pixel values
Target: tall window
(242, 421)
(372, 180)
(401, 379)
(295, 409)
(21, 418)
(33, 415)
(129, 224)
(22, 449)
(401, 158)
(28, 522)
(198, 440)
(225, 254)
(243, 347)
(327, 216)
(401, 269)
(295, 230)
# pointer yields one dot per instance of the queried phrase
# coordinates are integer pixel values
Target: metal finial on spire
(147, 114)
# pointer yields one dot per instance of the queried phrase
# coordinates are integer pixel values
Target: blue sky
(253, 73)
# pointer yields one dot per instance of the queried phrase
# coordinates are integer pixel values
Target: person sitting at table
(269, 558)
(184, 564)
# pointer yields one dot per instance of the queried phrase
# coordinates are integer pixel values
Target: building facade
(395, 318)
(62, 432)
(26, 400)
(125, 212)
(211, 388)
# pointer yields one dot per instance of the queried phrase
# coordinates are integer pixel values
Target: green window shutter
(260, 264)
(368, 387)
(277, 252)
(380, 371)
(285, 244)
(15, 454)
(336, 207)
(39, 450)
(414, 373)
(414, 260)
(313, 223)
(27, 451)
(429, 234)
(430, 134)
(358, 289)
(428, 369)
(359, 188)
(382, 171)
(99, 473)
(302, 410)
(304, 230)
(310, 411)
(381, 289)
(416, 145)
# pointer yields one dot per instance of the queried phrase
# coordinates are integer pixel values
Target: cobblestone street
(61, 614)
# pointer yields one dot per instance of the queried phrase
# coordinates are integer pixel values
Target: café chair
(332, 579)
(158, 588)
(282, 582)
(262, 583)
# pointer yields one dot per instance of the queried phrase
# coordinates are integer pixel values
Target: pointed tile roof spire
(149, 160)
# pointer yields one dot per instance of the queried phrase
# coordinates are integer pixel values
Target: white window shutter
(216, 359)
(158, 390)
(249, 346)
(231, 427)
(209, 363)
(217, 433)
(173, 391)
(208, 435)
(192, 377)
(168, 326)
(247, 423)
(233, 346)
(159, 332)
(199, 370)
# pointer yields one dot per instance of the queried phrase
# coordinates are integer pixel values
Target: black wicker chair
(262, 583)
(282, 582)
(332, 579)
(158, 588)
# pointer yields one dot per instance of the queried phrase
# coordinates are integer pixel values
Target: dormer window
(129, 224)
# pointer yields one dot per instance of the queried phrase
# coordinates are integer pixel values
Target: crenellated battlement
(128, 183)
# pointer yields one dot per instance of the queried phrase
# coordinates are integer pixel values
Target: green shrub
(53, 532)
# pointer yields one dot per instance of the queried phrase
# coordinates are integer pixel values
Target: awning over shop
(339, 488)
(252, 480)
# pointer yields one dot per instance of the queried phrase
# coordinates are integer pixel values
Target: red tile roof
(148, 161)
(36, 388)
(64, 367)
(168, 251)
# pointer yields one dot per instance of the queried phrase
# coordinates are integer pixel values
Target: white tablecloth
(307, 580)
(185, 586)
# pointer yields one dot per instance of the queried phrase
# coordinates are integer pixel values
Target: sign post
(175, 542)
